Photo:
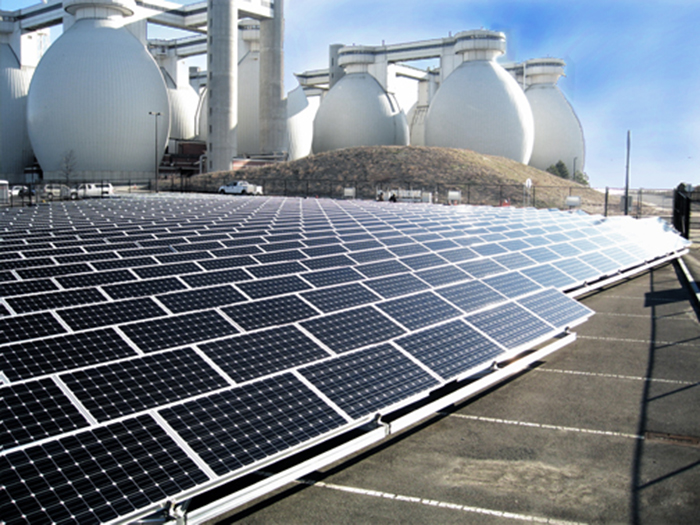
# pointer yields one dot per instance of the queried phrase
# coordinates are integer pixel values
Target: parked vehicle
(241, 187)
(95, 189)
(56, 191)
(19, 191)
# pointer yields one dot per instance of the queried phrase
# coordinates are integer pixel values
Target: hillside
(483, 179)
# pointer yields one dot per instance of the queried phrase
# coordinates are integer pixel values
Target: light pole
(156, 114)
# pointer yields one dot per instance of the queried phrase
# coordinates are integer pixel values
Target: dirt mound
(483, 179)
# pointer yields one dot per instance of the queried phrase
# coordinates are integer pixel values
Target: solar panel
(127, 387)
(29, 327)
(555, 308)
(106, 314)
(237, 427)
(344, 331)
(270, 312)
(364, 382)
(471, 296)
(243, 330)
(443, 275)
(324, 278)
(49, 301)
(510, 325)
(512, 284)
(341, 297)
(100, 474)
(450, 350)
(397, 285)
(180, 330)
(35, 410)
(418, 311)
(144, 288)
(548, 275)
(249, 356)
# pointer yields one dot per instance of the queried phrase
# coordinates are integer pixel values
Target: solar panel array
(152, 347)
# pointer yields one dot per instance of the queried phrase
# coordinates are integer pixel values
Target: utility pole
(156, 114)
(627, 175)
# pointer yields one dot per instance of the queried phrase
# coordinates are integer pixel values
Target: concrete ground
(605, 431)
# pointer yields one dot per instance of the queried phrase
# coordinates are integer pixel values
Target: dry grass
(483, 179)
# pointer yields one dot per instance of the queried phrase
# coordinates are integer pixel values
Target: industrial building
(104, 101)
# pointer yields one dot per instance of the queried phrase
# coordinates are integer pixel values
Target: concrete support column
(273, 115)
(222, 85)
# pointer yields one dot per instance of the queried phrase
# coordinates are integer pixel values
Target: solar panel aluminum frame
(625, 274)
(381, 431)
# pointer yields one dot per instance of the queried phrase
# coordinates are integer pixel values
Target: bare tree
(68, 162)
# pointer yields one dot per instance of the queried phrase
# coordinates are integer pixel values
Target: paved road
(580, 438)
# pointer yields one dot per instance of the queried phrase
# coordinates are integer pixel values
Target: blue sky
(632, 65)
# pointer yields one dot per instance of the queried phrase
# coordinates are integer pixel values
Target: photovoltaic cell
(371, 255)
(270, 312)
(365, 382)
(249, 356)
(510, 325)
(26, 287)
(53, 271)
(127, 387)
(239, 427)
(451, 349)
(345, 331)
(180, 330)
(35, 410)
(489, 249)
(555, 308)
(100, 474)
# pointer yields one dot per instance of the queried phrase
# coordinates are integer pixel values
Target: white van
(95, 189)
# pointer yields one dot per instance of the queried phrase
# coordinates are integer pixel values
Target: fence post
(640, 211)
(607, 192)
(534, 196)
(500, 195)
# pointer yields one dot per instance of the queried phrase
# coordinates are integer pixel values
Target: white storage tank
(358, 111)
(91, 95)
(301, 111)
(183, 108)
(15, 151)
(480, 106)
(558, 132)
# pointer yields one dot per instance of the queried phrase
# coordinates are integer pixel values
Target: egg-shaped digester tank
(301, 111)
(183, 109)
(558, 132)
(96, 95)
(15, 151)
(358, 111)
(480, 106)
